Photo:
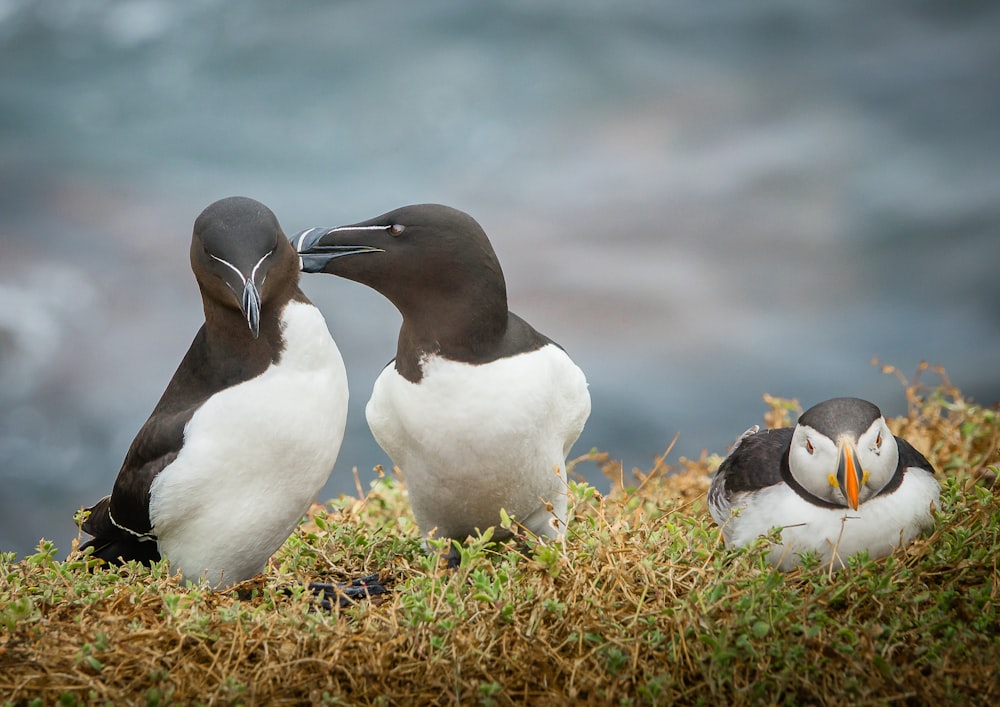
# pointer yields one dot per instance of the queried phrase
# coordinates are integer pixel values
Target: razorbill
(477, 409)
(250, 425)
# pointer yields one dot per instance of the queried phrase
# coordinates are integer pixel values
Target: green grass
(640, 605)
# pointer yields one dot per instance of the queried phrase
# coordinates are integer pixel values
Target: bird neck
(231, 346)
(459, 329)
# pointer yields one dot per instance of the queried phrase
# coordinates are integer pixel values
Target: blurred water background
(702, 202)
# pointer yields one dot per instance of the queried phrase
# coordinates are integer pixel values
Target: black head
(436, 265)
(417, 256)
(842, 451)
(839, 416)
(241, 258)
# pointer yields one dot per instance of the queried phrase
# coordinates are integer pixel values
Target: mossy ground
(640, 605)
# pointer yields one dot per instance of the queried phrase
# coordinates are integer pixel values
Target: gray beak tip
(251, 307)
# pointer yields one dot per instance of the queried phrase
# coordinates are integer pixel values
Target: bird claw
(347, 593)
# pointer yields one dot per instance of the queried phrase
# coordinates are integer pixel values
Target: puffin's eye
(809, 447)
(396, 229)
(878, 440)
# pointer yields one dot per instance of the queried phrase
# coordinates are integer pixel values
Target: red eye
(878, 440)
(809, 447)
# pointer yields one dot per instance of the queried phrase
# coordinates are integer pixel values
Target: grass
(640, 605)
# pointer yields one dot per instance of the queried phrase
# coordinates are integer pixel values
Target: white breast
(880, 525)
(472, 439)
(254, 458)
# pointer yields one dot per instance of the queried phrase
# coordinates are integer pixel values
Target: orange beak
(849, 473)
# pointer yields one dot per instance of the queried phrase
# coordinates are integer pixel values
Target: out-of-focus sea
(702, 202)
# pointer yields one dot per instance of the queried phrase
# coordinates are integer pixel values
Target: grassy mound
(640, 605)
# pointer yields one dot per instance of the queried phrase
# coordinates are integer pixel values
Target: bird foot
(347, 594)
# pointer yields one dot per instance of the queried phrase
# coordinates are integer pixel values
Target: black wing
(153, 449)
(119, 522)
(755, 463)
(909, 456)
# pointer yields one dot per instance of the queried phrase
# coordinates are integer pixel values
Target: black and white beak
(245, 287)
(315, 254)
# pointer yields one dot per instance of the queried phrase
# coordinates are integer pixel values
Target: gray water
(701, 202)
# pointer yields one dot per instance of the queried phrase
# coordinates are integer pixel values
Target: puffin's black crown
(836, 416)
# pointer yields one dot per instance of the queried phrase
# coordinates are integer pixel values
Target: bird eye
(396, 229)
(878, 440)
(809, 447)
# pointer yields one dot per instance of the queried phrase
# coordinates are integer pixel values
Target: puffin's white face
(844, 471)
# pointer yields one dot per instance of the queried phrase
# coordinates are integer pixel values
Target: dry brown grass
(640, 605)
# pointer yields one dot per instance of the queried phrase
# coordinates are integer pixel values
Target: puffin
(837, 484)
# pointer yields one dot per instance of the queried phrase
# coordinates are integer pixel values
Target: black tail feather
(123, 548)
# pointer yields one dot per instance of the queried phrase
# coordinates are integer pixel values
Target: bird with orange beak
(836, 484)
